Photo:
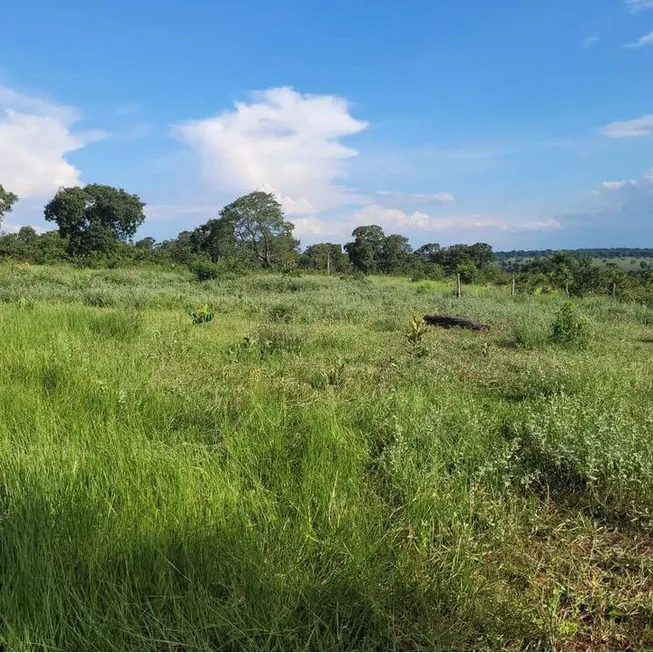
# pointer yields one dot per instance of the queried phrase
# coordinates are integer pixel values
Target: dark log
(449, 322)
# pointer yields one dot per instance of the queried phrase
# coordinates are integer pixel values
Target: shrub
(201, 315)
(571, 328)
(416, 332)
(205, 270)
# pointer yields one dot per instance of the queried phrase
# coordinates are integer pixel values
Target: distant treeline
(97, 224)
(614, 252)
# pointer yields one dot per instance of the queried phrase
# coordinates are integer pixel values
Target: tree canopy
(260, 230)
(95, 218)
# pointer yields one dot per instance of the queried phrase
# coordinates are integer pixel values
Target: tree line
(97, 224)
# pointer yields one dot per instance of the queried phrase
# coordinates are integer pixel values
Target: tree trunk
(450, 321)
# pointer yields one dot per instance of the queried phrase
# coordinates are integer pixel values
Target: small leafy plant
(416, 332)
(202, 314)
(571, 328)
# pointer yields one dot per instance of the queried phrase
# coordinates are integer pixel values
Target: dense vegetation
(273, 461)
(96, 226)
(222, 442)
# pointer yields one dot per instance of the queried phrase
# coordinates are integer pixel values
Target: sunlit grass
(292, 475)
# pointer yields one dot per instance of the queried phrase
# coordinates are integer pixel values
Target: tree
(430, 252)
(324, 256)
(7, 201)
(95, 218)
(395, 256)
(365, 251)
(215, 239)
(259, 229)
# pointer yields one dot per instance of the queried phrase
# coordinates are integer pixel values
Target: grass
(292, 475)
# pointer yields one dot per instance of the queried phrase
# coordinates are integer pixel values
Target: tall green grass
(292, 476)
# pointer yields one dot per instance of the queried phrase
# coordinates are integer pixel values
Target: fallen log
(450, 321)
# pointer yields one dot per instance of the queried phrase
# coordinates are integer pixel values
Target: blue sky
(521, 124)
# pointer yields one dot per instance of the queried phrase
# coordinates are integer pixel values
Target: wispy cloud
(615, 185)
(639, 5)
(394, 218)
(637, 127)
(425, 198)
(647, 39)
(590, 41)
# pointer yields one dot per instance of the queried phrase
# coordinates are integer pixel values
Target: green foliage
(7, 201)
(95, 218)
(259, 229)
(272, 339)
(281, 313)
(201, 315)
(571, 328)
(205, 270)
(417, 330)
(118, 325)
(261, 493)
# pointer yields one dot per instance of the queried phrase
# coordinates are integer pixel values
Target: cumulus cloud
(647, 39)
(630, 128)
(35, 137)
(281, 141)
(639, 5)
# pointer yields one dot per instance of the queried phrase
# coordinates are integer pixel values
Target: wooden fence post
(458, 287)
(512, 287)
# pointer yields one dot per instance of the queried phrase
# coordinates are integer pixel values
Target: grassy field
(296, 475)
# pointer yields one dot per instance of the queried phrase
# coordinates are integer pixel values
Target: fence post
(614, 290)
(458, 287)
(512, 287)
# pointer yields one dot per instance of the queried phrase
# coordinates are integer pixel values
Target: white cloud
(590, 41)
(35, 137)
(642, 41)
(615, 185)
(630, 128)
(427, 198)
(11, 228)
(393, 218)
(639, 5)
(283, 141)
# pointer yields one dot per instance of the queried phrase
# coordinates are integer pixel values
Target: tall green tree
(260, 231)
(365, 250)
(95, 218)
(396, 254)
(7, 201)
(215, 239)
(325, 256)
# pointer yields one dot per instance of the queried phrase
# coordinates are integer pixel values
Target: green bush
(205, 270)
(571, 328)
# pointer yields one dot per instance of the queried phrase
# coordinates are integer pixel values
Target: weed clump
(570, 328)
